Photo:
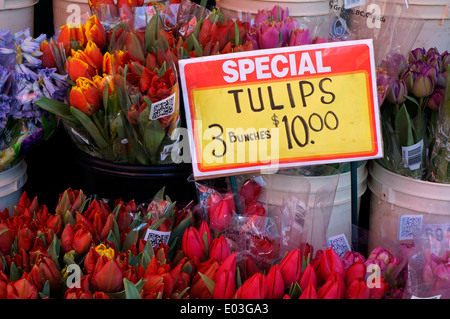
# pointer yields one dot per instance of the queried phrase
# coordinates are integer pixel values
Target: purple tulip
(318, 39)
(286, 27)
(268, 35)
(279, 14)
(445, 60)
(436, 100)
(350, 257)
(300, 37)
(424, 83)
(397, 92)
(416, 55)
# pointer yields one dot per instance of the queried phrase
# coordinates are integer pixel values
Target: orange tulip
(99, 3)
(94, 32)
(77, 67)
(92, 51)
(85, 96)
(69, 33)
(102, 81)
(48, 60)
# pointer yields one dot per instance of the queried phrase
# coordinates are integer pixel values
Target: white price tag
(412, 155)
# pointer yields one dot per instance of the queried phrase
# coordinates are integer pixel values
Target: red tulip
(213, 201)
(356, 271)
(253, 288)
(378, 291)
(85, 96)
(3, 285)
(99, 3)
(220, 218)
(250, 191)
(107, 276)
(225, 287)
(6, 239)
(329, 261)
(193, 244)
(275, 283)
(204, 229)
(309, 292)
(254, 208)
(220, 249)
(44, 270)
(357, 289)
(198, 288)
(333, 287)
(23, 288)
(26, 237)
(308, 277)
(291, 267)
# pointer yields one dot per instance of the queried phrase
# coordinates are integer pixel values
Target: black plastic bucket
(112, 180)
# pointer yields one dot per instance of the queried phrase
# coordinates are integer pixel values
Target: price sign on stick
(279, 108)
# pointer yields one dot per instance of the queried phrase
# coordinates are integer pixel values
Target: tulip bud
(250, 191)
(329, 261)
(291, 267)
(193, 244)
(436, 100)
(300, 37)
(107, 276)
(357, 271)
(397, 92)
(23, 288)
(309, 292)
(308, 277)
(275, 283)
(3, 285)
(85, 96)
(268, 36)
(423, 85)
(333, 288)
(416, 55)
(220, 249)
(220, 218)
(357, 289)
(254, 287)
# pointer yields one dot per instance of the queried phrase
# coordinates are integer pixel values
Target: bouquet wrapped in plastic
(123, 103)
(409, 115)
(24, 79)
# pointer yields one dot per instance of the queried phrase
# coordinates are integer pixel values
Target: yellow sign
(270, 109)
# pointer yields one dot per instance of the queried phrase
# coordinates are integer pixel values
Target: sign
(277, 108)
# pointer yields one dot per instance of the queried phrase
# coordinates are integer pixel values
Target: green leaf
(158, 223)
(91, 128)
(178, 231)
(205, 241)
(14, 272)
(45, 290)
(210, 284)
(112, 238)
(131, 292)
(153, 135)
(130, 239)
(403, 127)
(54, 250)
(3, 230)
(237, 35)
(295, 291)
(55, 107)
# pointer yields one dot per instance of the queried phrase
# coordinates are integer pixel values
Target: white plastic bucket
(341, 211)
(69, 11)
(17, 15)
(397, 200)
(303, 10)
(11, 183)
(436, 29)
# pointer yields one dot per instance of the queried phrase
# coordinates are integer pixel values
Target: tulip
(268, 35)
(397, 92)
(44, 270)
(3, 285)
(378, 291)
(82, 240)
(308, 277)
(254, 209)
(309, 292)
(275, 283)
(250, 191)
(424, 83)
(220, 218)
(253, 288)
(300, 37)
(291, 267)
(94, 32)
(436, 101)
(107, 275)
(416, 55)
(199, 289)
(193, 244)
(23, 288)
(350, 257)
(329, 261)
(225, 287)
(333, 288)
(204, 229)
(48, 60)
(442, 273)
(71, 33)
(85, 96)
(26, 237)
(220, 249)
(384, 259)
(357, 289)
(357, 271)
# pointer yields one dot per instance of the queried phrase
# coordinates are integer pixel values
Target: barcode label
(163, 108)
(339, 244)
(353, 3)
(409, 226)
(157, 237)
(412, 155)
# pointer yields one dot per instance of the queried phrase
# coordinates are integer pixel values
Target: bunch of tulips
(92, 249)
